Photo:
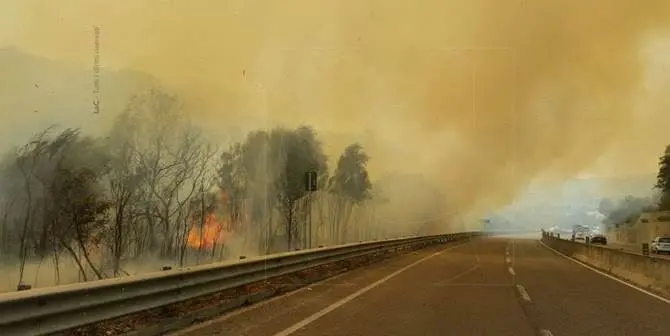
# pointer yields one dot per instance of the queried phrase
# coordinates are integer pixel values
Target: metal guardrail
(56, 309)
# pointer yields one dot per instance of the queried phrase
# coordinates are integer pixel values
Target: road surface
(488, 286)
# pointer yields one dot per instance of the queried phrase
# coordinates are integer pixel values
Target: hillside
(36, 92)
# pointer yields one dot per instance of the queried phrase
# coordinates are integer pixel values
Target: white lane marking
(513, 253)
(474, 285)
(474, 251)
(508, 260)
(607, 275)
(449, 280)
(290, 330)
(523, 292)
(339, 284)
(546, 332)
(511, 271)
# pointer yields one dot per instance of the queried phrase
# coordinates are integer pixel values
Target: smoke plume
(557, 84)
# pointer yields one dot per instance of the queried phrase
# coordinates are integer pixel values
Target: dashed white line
(523, 292)
(508, 260)
(513, 253)
(461, 274)
(511, 271)
(546, 332)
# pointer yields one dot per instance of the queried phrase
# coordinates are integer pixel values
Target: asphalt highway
(488, 286)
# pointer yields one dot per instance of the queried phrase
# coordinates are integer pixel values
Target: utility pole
(311, 185)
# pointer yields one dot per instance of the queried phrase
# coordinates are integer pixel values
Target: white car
(580, 235)
(660, 245)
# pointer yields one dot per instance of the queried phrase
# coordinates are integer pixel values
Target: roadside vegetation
(628, 209)
(156, 192)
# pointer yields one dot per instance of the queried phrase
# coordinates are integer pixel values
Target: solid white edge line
(263, 303)
(578, 262)
(513, 253)
(523, 292)
(303, 323)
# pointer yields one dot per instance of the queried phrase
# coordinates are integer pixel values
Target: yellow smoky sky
(482, 96)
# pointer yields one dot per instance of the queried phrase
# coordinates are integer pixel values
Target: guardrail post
(645, 249)
(22, 286)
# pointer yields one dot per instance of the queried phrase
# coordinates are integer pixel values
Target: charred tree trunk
(290, 218)
(82, 246)
(74, 255)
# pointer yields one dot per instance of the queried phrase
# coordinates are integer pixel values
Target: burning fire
(211, 230)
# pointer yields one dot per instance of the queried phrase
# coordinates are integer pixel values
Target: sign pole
(311, 185)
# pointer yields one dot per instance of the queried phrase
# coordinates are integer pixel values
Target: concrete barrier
(648, 272)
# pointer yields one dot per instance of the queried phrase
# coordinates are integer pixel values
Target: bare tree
(58, 188)
(125, 182)
(170, 156)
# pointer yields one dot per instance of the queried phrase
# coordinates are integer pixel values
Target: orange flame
(211, 230)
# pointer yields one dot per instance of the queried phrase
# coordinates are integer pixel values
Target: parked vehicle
(580, 232)
(660, 245)
(598, 238)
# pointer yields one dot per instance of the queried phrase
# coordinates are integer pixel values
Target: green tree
(267, 170)
(663, 179)
(174, 160)
(300, 152)
(233, 181)
(351, 185)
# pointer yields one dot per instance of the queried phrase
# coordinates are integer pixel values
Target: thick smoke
(558, 83)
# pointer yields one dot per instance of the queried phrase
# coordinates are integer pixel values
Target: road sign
(311, 181)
